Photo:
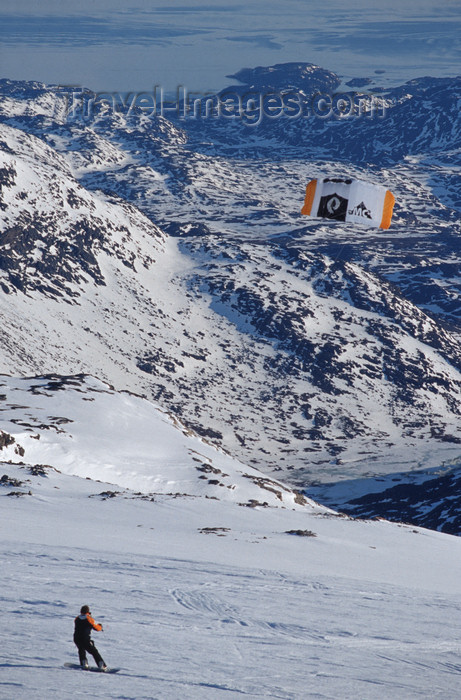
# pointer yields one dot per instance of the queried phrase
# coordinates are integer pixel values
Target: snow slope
(82, 426)
(199, 597)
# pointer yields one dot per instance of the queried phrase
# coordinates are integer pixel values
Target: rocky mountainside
(53, 229)
(170, 259)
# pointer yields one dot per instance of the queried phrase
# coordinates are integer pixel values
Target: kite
(355, 201)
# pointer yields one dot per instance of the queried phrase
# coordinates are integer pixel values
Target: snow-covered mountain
(171, 260)
(53, 229)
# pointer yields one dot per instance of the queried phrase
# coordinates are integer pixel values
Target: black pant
(87, 646)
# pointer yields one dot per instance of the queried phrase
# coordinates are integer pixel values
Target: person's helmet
(84, 610)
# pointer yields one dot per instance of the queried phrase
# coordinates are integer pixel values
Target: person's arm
(95, 625)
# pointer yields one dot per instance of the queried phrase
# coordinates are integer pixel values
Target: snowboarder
(84, 623)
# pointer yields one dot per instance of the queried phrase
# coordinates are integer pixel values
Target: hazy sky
(135, 44)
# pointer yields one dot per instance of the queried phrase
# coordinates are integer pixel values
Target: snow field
(361, 610)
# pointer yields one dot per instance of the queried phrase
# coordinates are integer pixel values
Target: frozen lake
(133, 44)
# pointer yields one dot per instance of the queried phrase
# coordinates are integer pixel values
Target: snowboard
(95, 669)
